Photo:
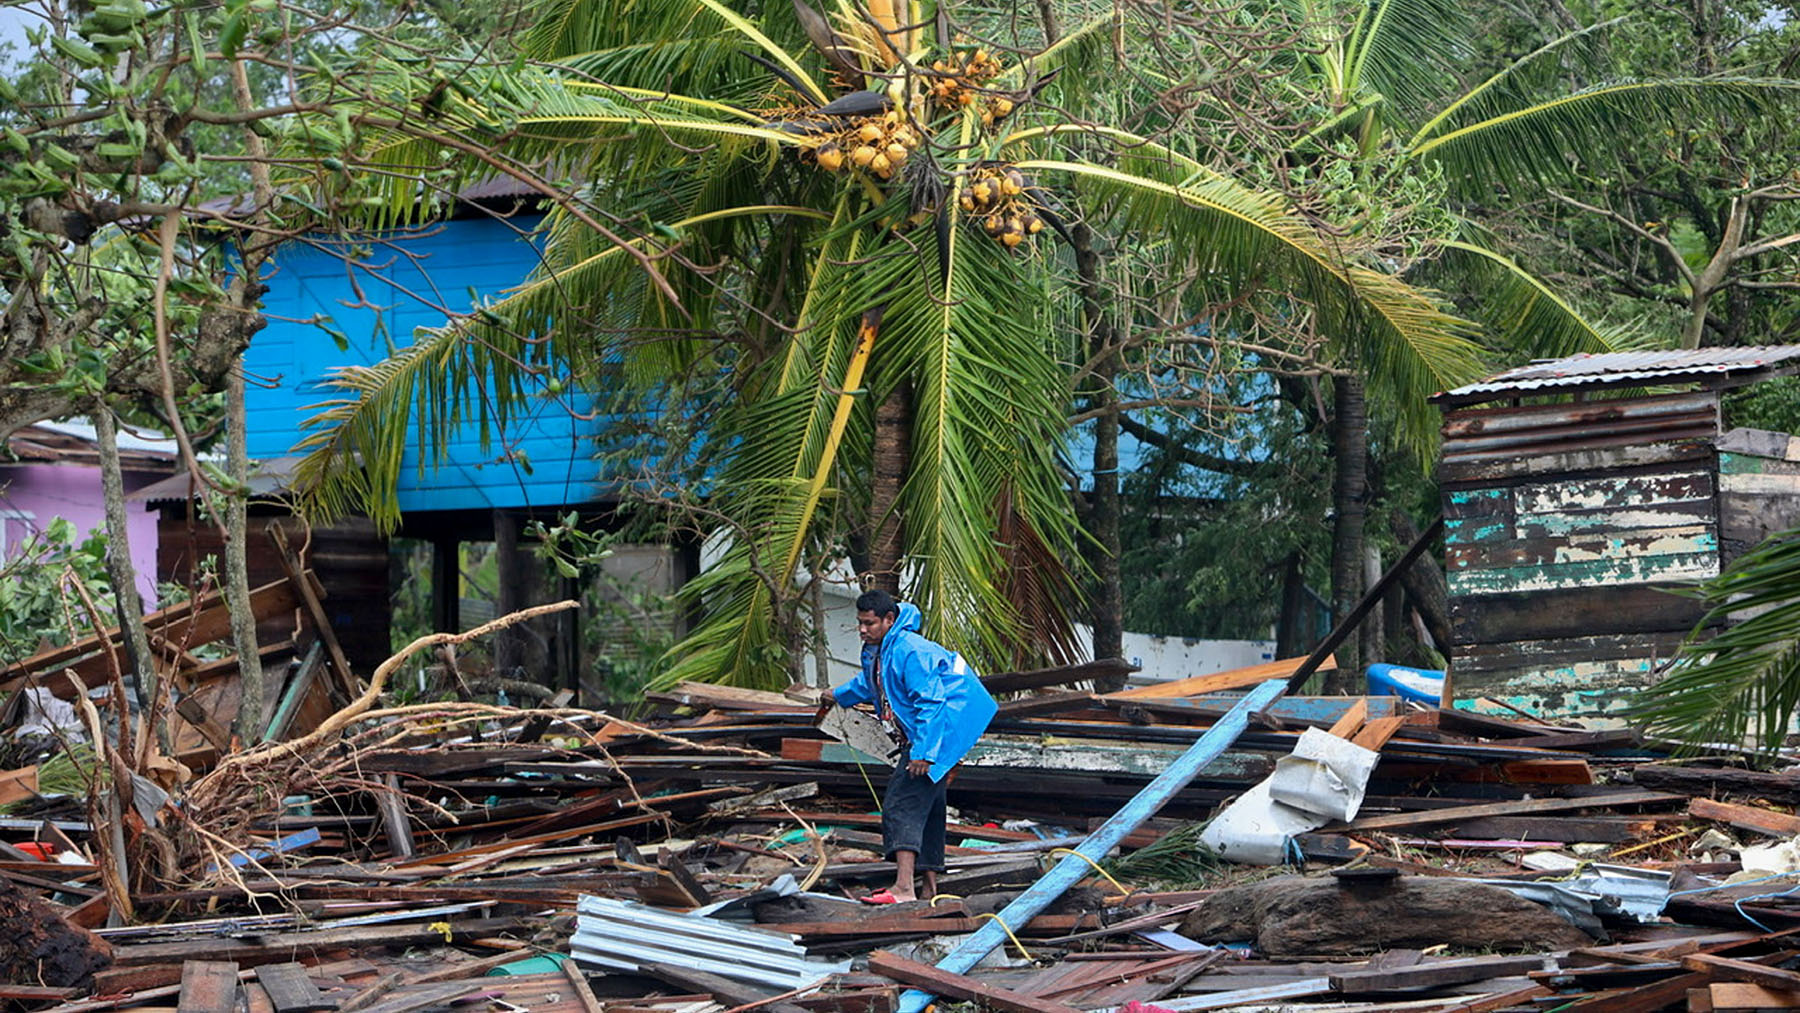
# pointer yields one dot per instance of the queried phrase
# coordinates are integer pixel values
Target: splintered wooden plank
(1732, 995)
(1376, 733)
(1353, 719)
(1457, 971)
(202, 620)
(291, 990)
(1727, 969)
(209, 986)
(1456, 814)
(1645, 997)
(955, 986)
(1765, 821)
(1237, 678)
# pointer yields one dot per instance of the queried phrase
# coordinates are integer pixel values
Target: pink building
(52, 470)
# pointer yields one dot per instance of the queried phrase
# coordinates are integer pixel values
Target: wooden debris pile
(435, 859)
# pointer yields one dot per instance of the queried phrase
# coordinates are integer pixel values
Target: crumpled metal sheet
(1596, 891)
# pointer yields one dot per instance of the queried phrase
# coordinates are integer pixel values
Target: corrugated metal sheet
(625, 936)
(1615, 368)
(1525, 432)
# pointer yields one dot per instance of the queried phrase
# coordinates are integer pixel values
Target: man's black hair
(877, 601)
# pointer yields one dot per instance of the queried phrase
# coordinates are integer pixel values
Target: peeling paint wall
(1560, 555)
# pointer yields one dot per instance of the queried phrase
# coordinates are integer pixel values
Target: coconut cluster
(878, 145)
(996, 198)
(956, 82)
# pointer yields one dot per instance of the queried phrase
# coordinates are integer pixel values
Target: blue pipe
(1073, 869)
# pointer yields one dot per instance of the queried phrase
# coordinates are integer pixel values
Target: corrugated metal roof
(1612, 368)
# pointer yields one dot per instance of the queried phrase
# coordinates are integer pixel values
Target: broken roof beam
(1085, 858)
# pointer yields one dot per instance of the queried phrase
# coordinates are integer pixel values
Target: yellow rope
(1071, 851)
(1023, 952)
(943, 896)
(860, 769)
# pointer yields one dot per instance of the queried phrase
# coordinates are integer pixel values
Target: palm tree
(884, 239)
(1738, 675)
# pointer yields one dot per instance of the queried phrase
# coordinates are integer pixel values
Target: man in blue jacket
(935, 707)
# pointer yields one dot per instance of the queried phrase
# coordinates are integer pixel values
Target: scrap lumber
(1236, 678)
(1347, 726)
(1456, 814)
(731, 993)
(728, 698)
(1046, 703)
(291, 990)
(202, 620)
(1744, 817)
(18, 785)
(1716, 780)
(279, 947)
(958, 987)
(348, 684)
(1727, 969)
(1457, 971)
(1376, 733)
(209, 986)
(1731, 996)
(1059, 675)
(1644, 997)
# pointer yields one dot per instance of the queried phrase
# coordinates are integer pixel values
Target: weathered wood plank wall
(1565, 525)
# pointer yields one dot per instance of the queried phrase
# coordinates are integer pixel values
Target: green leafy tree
(1392, 74)
(855, 225)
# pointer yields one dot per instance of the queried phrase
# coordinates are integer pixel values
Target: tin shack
(1577, 492)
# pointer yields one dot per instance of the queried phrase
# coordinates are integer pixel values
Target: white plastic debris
(1774, 860)
(44, 714)
(1323, 779)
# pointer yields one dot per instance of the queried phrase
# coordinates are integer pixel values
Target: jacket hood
(909, 620)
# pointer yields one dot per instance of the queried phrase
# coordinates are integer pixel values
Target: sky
(12, 27)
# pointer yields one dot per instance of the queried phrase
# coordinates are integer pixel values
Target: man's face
(872, 627)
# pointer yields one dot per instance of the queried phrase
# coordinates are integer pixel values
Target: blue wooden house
(333, 303)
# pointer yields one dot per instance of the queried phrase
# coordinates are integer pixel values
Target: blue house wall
(542, 458)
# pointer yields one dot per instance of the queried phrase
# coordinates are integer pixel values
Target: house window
(15, 529)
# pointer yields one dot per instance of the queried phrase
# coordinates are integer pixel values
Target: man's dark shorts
(912, 818)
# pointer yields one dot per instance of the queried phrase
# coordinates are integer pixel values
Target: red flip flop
(880, 897)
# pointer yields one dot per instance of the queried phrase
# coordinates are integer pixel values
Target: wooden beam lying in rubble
(1456, 814)
(960, 988)
(1236, 678)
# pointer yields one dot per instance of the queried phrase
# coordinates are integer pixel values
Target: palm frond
(1519, 82)
(1745, 680)
(766, 485)
(482, 368)
(1535, 141)
(1409, 344)
(1407, 51)
(970, 334)
(1524, 314)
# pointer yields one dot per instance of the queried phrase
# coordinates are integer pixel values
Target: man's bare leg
(930, 883)
(903, 875)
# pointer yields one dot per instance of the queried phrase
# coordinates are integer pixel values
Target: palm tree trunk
(1349, 501)
(1103, 522)
(1108, 612)
(891, 453)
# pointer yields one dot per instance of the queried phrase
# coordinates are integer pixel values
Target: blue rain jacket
(936, 696)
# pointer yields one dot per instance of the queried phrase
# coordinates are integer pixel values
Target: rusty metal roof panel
(1614, 368)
